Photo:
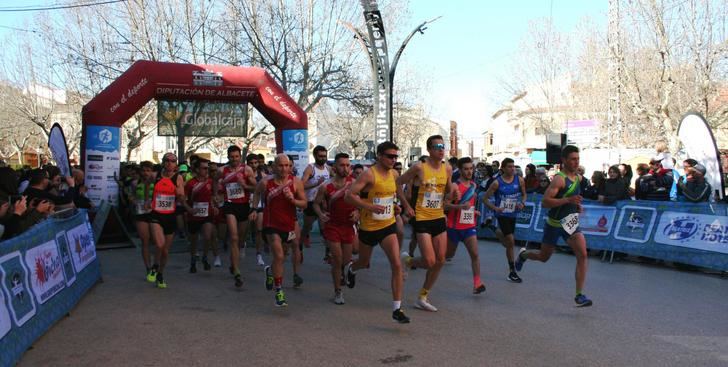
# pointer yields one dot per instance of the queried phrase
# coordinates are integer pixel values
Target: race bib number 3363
(570, 223)
(467, 216)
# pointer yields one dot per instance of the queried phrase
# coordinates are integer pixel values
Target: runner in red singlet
(201, 213)
(167, 190)
(235, 179)
(339, 219)
(282, 194)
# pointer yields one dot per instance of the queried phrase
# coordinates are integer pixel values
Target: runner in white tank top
(313, 176)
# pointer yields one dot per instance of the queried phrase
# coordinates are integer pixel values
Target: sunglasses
(438, 147)
(391, 156)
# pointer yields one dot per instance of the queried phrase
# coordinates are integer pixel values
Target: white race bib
(388, 204)
(570, 223)
(508, 205)
(165, 202)
(467, 216)
(431, 200)
(139, 207)
(200, 209)
(234, 191)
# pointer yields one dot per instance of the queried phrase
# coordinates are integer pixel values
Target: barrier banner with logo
(102, 164)
(695, 234)
(44, 272)
(295, 145)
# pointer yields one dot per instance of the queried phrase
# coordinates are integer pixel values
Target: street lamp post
(376, 47)
(420, 28)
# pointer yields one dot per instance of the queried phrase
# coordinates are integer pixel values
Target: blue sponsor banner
(695, 234)
(43, 274)
(295, 144)
(102, 138)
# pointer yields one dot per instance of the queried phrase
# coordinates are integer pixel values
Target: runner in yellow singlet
(431, 180)
(373, 193)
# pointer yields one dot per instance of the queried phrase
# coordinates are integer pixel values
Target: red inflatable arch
(146, 80)
(103, 116)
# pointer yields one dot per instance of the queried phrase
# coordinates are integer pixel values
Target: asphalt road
(642, 316)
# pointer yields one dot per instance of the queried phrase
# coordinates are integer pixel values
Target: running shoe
(399, 316)
(161, 284)
(480, 289)
(281, 299)
(327, 259)
(268, 278)
(406, 259)
(513, 277)
(582, 301)
(259, 258)
(206, 265)
(339, 297)
(193, 268)
(422, 304)
(297, 280)
(238, 281)
(151, 276)
(218, 262)
(307, 241)
(520, 259)
(350, 275)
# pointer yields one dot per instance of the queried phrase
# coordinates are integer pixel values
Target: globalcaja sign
(200, 118)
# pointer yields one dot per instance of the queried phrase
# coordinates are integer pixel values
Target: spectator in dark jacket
(694, 188)
(597, 181)
(15, 217)
(614, 187)
(655, 185)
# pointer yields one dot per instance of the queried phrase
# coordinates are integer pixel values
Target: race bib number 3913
(388, 204)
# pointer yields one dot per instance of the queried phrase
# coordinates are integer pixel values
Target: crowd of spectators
(29, 195)
(656, 181)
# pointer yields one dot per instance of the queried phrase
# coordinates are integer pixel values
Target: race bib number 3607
(432, 200)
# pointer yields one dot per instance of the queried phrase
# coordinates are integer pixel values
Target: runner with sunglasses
(169, 188)
(432, 182)
(373, 192)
